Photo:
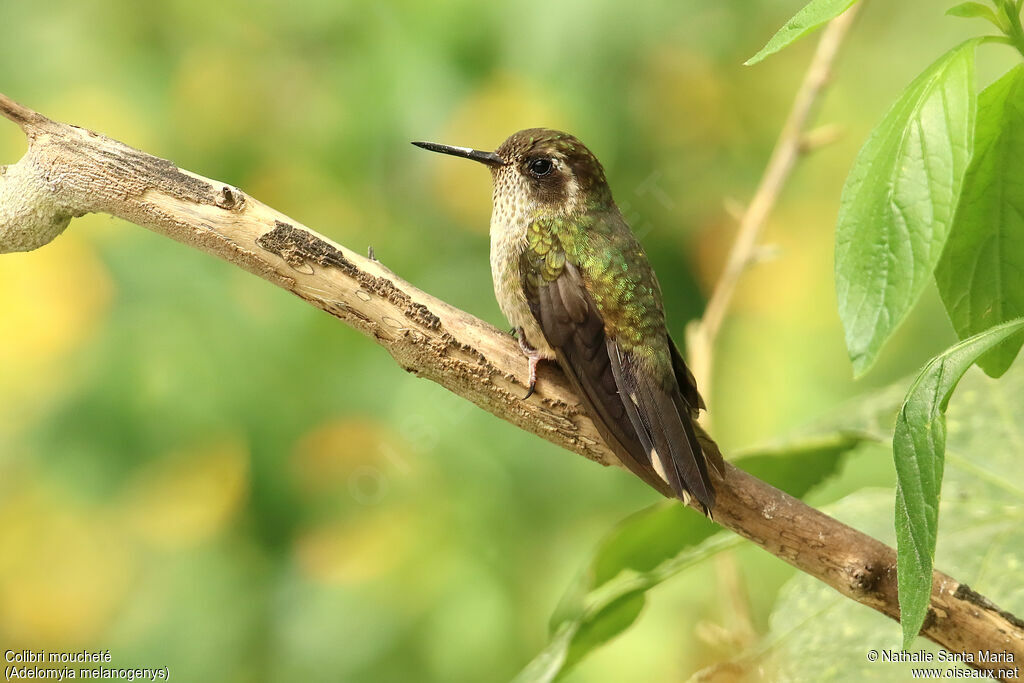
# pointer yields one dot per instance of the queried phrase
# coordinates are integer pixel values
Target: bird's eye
(540, 167)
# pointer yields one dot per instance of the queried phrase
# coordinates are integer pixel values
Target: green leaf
(969, 10)
(551, 660)
(899, 200)
(813, 15)
(798, 468)
(814, 628)
(658, 533)
(655, 544)
(981, 273)
(609, 622)
(919, 445)
(648, 538)
(610, 609)
(639, 544)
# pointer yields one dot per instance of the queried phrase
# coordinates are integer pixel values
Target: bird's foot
(520, 336)
(533, 355)
(534, 361)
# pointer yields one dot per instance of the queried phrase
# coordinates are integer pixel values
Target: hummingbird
(577, 288)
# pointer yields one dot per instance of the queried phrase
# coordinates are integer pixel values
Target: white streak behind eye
(572, 191)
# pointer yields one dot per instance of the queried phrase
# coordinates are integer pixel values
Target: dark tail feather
(676, 439)
(662, 421)
(694, 403)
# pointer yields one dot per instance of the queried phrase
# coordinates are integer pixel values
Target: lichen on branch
(68, 171)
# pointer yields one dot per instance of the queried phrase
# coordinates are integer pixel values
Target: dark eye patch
(539, 168)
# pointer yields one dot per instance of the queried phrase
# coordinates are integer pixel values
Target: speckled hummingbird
(575, 284)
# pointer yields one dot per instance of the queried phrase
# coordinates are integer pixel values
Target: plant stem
(69, 171)
(1011, 10)
(702, 335)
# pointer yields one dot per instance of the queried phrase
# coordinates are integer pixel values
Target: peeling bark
(68, 171)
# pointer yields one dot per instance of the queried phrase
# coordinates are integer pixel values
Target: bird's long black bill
(489, 158)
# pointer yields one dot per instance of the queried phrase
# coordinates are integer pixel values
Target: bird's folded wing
(645, 423)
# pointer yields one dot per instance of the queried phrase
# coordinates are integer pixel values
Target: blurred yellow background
(199, 471)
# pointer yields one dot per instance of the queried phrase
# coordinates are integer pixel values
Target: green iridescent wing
(599, 307)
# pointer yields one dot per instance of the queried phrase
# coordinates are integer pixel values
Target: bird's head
(542, 170)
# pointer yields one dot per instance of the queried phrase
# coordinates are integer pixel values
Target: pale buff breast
(509, 222)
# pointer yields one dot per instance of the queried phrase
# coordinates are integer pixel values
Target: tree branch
(68, 171)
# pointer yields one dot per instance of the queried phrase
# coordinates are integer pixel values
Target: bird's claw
(534, 361)
(532, 354)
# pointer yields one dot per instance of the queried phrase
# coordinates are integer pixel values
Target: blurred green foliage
(814, 628)
(200, 471)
